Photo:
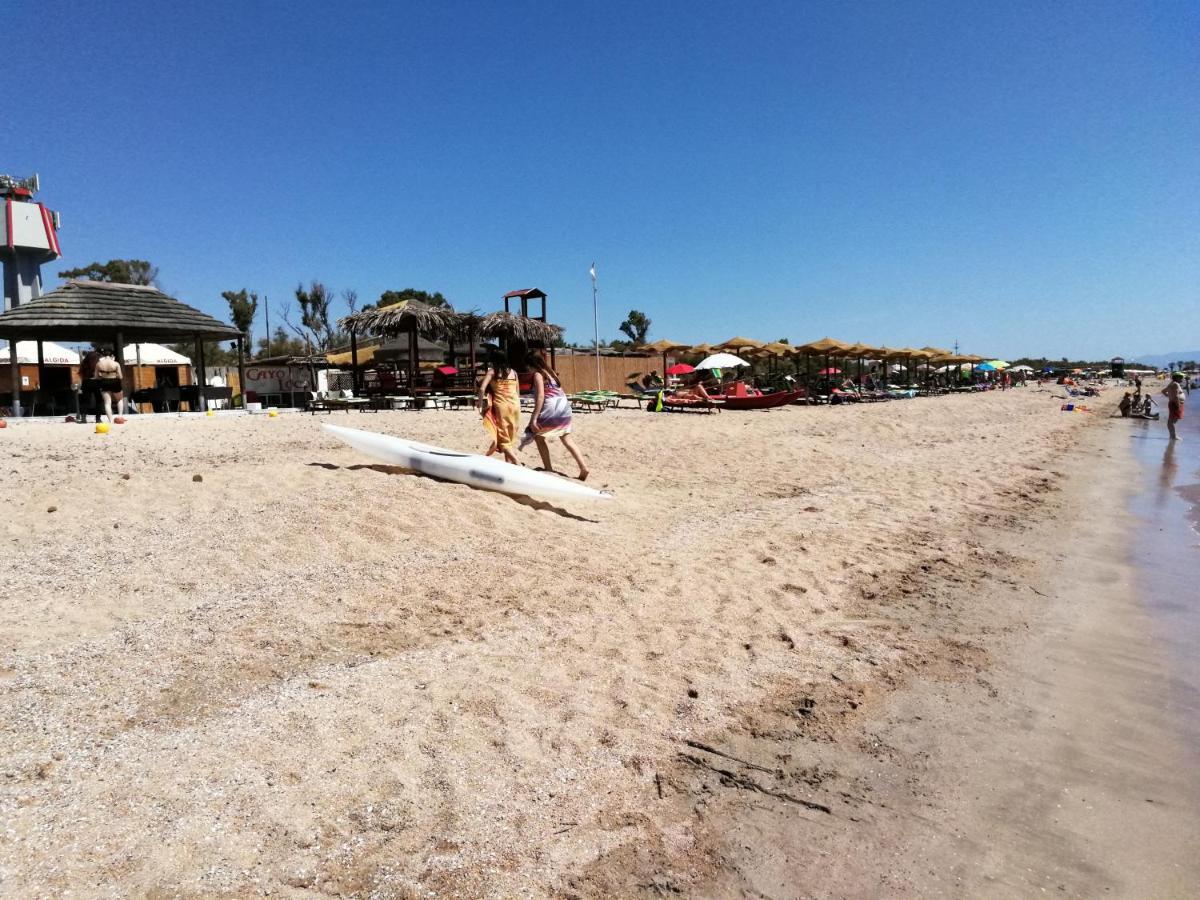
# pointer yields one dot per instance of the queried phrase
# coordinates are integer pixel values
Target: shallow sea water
(1167, 552)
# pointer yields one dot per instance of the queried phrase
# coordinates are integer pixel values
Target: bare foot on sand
(583, 474)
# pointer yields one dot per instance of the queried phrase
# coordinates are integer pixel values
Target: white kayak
(465, 468)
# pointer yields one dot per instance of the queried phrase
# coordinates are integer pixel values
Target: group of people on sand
(101, 383)
(1136, 403)
(500, 408)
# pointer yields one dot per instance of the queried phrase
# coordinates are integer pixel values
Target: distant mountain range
(1161, 359)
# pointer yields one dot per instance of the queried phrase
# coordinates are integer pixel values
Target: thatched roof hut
(411, 316)
(109, 313)
(94, 310)
(398, 318)
(519, 328)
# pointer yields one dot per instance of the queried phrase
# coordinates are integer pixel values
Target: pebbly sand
(758, 672)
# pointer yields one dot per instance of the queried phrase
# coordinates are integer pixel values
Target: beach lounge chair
(317, 403)
(346, 400)
(588, 402)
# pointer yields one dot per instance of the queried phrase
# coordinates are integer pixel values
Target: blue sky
(1018, 177)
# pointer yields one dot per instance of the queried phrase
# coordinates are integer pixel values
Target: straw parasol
(826, 346)
(739, 343)
(519, 329)
(410, 316)
(664, 347)
(775, 348)
(860, 351)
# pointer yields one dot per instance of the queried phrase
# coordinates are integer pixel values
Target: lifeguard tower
(28, 238)
(525, 295)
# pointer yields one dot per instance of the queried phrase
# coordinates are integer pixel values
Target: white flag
(592, 271)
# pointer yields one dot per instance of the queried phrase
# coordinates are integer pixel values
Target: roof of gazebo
(401, 316)
(90, 310)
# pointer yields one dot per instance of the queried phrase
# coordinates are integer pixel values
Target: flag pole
(595, 324)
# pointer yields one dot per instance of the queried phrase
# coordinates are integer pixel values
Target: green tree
(387, 298)
(636, 326)
(117, 271)
(281, 344)
(243, 307)
(316, 326)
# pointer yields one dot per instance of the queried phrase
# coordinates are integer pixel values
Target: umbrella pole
(241, 366)
(354, 359)
(412, 357)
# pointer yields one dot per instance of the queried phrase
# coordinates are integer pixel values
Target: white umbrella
(52, 354)
(721, 361)
(1022, 369)
(154, 355)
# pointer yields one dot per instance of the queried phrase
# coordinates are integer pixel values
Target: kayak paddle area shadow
(520, 499)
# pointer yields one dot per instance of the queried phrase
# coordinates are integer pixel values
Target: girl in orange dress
(500, 407)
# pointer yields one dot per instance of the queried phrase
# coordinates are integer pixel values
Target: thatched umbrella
(826, 346)
(519, 329)
(859, 351)
(664, 347)
(773, 351)
(410, 316)
(910, 354)
(736, 344)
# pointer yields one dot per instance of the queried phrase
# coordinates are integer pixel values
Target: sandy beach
(885, 649)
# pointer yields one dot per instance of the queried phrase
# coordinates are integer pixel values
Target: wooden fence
(578, 372)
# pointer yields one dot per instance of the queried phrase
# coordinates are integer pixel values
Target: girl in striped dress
(551, 414)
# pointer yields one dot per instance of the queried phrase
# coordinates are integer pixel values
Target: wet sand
(1167, 554)
(810, 652)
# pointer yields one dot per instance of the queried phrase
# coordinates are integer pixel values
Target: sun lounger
(346, 400)
(686, 404)
(317, 403)
(588, 402)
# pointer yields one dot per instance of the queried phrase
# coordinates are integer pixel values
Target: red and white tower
(28, 238)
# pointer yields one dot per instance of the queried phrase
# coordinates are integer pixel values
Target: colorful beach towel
(555, 418)
(503, 417)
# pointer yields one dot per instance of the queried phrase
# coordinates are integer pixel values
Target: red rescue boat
(762, 401)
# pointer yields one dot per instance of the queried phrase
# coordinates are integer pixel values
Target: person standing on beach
(500, 406)
(1175, 396)
(89, 388)
(551, 415)
(108, 381)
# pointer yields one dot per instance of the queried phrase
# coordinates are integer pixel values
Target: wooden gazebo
(82, 311)
(408, 316)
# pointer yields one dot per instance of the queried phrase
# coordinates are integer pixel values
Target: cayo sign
(278, 379)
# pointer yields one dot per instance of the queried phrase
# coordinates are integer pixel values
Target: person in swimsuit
(500, 406)
(551, 414)
(108, 382)
(1175, 396)
(88, 387)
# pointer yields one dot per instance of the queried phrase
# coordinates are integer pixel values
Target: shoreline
(1055, 764)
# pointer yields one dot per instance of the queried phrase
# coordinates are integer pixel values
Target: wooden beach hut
(102, 312)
